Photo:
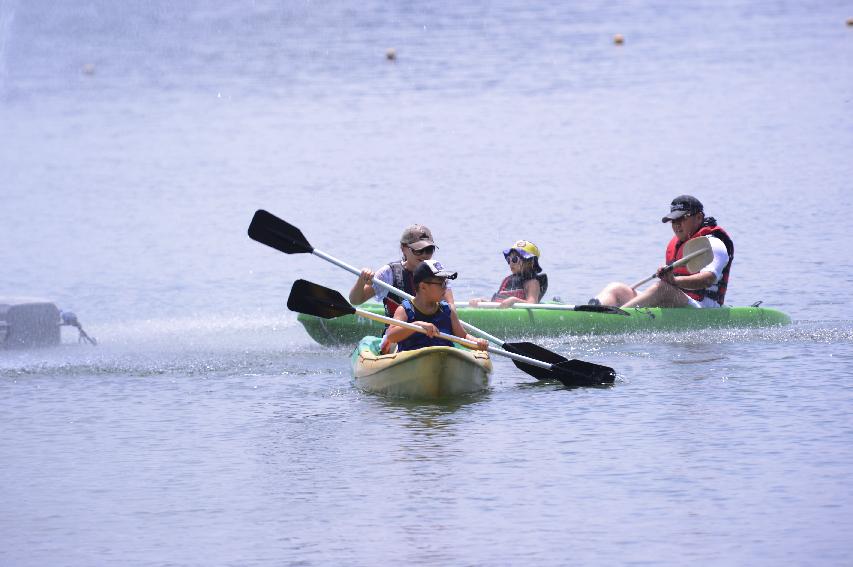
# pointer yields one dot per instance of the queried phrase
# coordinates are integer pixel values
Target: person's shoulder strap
(444, 317)
(398, 280)
(410, 309)
(719, 233)
(543, 284)
(397, 270)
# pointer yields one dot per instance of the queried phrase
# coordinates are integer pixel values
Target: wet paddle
(313, 299)
(277, 233)
(697, 255)
(549, 306)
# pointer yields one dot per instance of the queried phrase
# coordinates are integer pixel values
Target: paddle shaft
(454, 338)
(388, 287)
(496, 304)
(675, 264)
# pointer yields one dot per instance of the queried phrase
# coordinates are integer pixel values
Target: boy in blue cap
(429, 311)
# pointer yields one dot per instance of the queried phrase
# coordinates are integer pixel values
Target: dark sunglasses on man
(425, 251)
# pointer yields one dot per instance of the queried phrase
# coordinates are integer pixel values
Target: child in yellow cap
(526, 282)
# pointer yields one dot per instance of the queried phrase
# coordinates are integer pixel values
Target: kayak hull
(518, 323)
(427, 373)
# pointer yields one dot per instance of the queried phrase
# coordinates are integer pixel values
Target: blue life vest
(441, 319)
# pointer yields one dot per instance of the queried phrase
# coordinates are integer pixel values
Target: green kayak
(517, 323)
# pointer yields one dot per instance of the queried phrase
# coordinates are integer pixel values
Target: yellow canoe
(426, 373)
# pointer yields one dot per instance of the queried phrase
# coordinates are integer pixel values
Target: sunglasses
(427, 251)
(442, 283)
(513, 259)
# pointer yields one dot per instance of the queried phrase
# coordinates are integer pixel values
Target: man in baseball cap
(678, 287)
(683, 205)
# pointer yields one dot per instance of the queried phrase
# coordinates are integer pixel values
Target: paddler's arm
(362, 290)
(459, 331)
(693, 281)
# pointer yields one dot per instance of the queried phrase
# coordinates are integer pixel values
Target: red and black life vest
(513, 286)
(675, 250)
(403, 280)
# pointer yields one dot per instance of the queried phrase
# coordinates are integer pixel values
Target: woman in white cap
(526, 282)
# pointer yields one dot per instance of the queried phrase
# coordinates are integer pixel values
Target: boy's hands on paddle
(430, 329)
(482, 344)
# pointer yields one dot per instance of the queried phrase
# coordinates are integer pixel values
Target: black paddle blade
(268, 229)
(602, 309)
(312, 299)
(572, 373)
(579, 373)
(531, 350)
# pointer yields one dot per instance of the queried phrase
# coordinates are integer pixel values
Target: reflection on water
(430, 418)
(429, 410)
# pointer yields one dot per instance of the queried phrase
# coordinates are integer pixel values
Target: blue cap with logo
(432, 269)
(681, 206)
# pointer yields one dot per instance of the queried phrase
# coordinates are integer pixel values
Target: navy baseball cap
(431, 269)
(681, 206)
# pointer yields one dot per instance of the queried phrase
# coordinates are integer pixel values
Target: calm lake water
(206, 428)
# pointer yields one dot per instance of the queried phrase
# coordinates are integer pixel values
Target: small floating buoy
(618, 39)
(391, 54)
(89, 69)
